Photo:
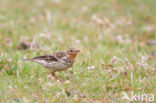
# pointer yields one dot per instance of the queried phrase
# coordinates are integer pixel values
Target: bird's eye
(71, 50)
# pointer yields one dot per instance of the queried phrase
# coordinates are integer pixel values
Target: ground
(117, 39)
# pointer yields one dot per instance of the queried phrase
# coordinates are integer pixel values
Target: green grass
(103, 30)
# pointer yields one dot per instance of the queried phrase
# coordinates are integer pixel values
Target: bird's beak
(77, 50)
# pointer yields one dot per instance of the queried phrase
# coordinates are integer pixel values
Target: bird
(58, 61)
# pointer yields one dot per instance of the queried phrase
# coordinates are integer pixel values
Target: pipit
(58, 61)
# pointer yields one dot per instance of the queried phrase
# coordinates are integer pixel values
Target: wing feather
(55, 57)
(47, 58)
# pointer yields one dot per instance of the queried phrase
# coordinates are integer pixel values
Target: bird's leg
(55, 76)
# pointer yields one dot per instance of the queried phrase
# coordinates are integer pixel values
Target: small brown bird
(58, 61)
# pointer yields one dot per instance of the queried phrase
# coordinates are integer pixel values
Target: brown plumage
(57, 61)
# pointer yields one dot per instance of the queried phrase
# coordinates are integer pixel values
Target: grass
(112, 36)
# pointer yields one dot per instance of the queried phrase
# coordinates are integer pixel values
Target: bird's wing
(58, 60)
(47, 58)
(55, 57)
(60, 55)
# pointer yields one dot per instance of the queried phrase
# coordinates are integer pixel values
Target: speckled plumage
(57, 61)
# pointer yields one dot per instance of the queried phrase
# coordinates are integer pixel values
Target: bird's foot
(56, 77)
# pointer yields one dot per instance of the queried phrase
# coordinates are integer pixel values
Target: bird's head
(72, 52)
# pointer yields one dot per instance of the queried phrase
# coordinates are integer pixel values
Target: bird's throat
(72, 56)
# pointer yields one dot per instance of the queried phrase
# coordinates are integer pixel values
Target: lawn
(117, 39)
